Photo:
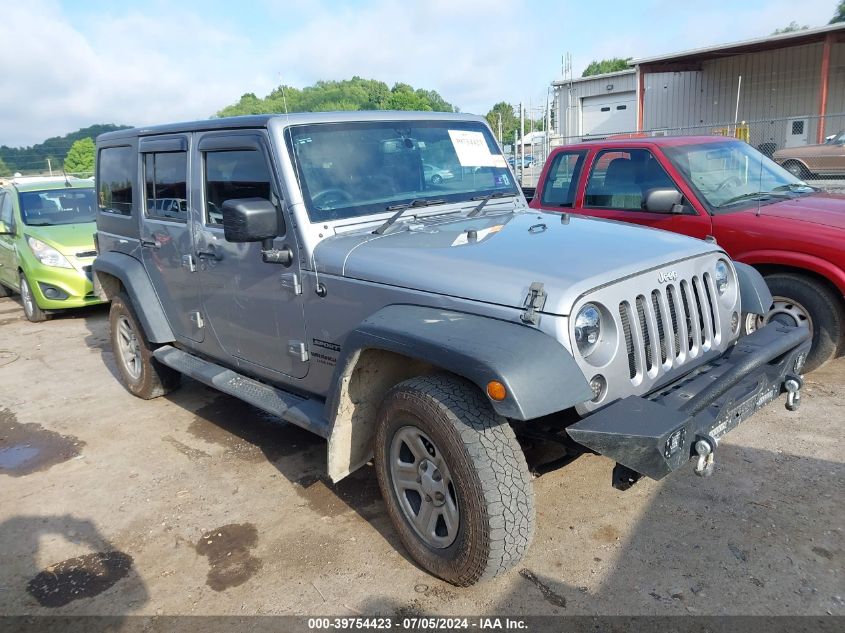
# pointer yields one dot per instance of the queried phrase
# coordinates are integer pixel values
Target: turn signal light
(496, 390)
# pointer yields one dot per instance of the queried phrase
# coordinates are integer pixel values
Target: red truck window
(562, 179)
(620, 179)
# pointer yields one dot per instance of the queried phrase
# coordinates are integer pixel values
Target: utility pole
(521, 141)
(49, 167)
(500, 127)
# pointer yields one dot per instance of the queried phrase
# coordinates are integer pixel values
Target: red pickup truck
(722, 188)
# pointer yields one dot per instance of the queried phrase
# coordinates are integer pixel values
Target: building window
(165, 178)
(621, 107)
(116, 172)
(606, 109)
(797, 128)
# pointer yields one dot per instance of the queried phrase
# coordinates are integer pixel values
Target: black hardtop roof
(294, 118)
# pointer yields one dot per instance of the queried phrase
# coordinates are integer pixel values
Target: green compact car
(47, 230)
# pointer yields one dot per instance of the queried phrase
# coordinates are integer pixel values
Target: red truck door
(615, 185)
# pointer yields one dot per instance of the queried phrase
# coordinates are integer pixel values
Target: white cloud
(164, 61)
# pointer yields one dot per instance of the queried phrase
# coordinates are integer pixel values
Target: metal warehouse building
(780, 91)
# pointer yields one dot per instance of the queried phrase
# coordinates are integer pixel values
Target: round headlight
(587, 329)
(721, 277)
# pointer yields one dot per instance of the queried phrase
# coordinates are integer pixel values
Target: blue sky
(68, 64)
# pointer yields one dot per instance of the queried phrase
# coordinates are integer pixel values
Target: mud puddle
(228, 551)
(248, 432)
(29, 448)
(81, 577)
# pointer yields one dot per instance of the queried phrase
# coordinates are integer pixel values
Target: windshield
(57, 206)
(355, 169)
(731, 172)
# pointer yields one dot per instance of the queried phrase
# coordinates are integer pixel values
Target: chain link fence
(786, 140)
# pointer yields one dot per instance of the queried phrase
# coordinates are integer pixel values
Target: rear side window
(562, 179)
(165, 184)
(233, 174)
(115, 176)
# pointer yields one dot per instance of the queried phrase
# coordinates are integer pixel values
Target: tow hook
(793, 384)
(705, 449)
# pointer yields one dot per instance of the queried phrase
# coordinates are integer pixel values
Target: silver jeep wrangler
(377, 278)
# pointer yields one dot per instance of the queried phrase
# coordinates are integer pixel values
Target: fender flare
(130, 272)
(539, 374)
(754, 294)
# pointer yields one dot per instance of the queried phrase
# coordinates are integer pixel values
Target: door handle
(151, 244)
(212, 253)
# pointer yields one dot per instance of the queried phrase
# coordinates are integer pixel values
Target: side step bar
(291, 408)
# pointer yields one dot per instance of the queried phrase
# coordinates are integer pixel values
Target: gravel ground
(198, 504)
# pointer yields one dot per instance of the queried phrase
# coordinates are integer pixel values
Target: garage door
(609, 114)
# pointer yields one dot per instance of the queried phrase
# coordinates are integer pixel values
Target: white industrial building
(789, 89)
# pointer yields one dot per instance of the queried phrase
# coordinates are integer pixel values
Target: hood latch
(533, 304)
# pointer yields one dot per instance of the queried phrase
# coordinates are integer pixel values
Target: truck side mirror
(6, 230)
(664, 201)
(250, 220)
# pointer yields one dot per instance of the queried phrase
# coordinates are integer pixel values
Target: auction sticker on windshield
(471, 148)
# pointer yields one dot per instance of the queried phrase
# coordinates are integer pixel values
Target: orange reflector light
(496, 390)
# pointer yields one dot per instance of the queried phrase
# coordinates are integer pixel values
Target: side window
(7, 215)
(562, 179)
(620, 179)
(115, 176)
(165, 185)
(233, 174)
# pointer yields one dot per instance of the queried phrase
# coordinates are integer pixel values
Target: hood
(568, 254)
(68, 239)
(819, 208)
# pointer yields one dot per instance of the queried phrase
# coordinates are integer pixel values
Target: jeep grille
(670, 326)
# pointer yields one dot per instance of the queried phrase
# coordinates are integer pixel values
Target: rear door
(255, 309)
(166, 242)
(617, 184)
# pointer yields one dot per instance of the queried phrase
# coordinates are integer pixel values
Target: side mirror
(250, 220)
(664, 201)
(5, 230)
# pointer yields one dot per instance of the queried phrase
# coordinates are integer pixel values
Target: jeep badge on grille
(671, 275)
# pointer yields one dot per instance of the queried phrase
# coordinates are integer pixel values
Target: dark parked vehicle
(726, 190)
(316, 273)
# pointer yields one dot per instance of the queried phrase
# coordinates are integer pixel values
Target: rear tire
(30, 306)
(454, 479)
(141, 374)
(806, 300)
(797, 169)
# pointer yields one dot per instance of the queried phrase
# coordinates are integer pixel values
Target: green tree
(348, 94)
(791, 28)
(510, 122)
(4, 169)
(839, 15)
(606, 66)
(80, 157)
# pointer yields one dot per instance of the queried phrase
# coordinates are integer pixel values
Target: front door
(617, 185)
(255, 309)
(167, 247)
(8, 257)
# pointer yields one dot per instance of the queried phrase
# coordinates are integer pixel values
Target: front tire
(141, 374)
(454, 479)
(801, 300)
(436, 179)
(30, 305)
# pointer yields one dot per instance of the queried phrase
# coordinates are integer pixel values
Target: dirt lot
(198, 504)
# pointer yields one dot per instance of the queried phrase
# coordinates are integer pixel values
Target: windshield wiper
(751, 195)
(485, 200)
(794, 186)
(413, 204)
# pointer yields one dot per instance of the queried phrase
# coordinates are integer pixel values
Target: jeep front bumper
(656, 434)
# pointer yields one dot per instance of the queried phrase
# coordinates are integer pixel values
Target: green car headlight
(47, 255)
